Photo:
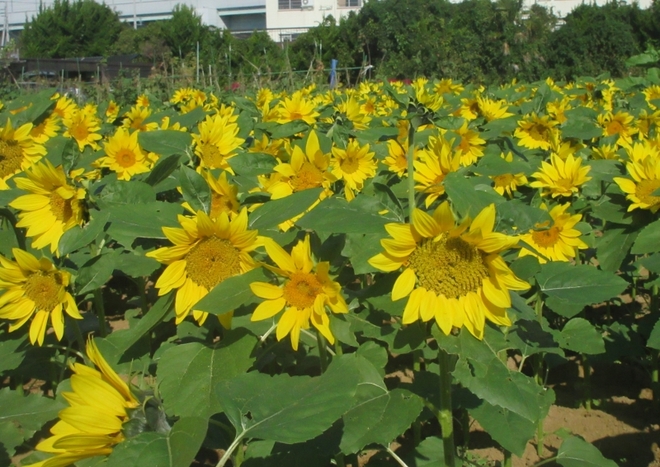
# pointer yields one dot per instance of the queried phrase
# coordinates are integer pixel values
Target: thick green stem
(586, 367)
(240, 454)
(538, 374)
(100, 311)
(445, 415)
(508, 459)
(323, 352)
(79, 335)
(339, 459)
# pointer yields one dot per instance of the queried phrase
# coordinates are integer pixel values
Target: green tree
(184, 30)
(70, 29)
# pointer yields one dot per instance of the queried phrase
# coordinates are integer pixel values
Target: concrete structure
(563, 7)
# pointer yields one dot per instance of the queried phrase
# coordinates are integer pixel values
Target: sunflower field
(297, 278)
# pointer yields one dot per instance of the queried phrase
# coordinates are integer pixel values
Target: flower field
(306, 276)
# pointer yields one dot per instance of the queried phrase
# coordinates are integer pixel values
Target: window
(349, 3)
(289, 4)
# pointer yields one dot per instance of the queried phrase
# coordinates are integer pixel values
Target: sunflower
(652, 93)
(44, 131)
(124, 155)
(304, 294)
(142, 101)
(274, 147)
(556, 109)
(64, 107)
(134, 119)
(354, 165)
(52, 208)
(645, 174)
(619, 124)
(493, 110)
(508, 182)
(206, 252)
(433, 166)
(561, 177)
(99, 405)
(223, 196)
(17, 151)
(536, 132)
(647, 123)
(559, 241)
(216, 142)
(181, 95)
(397, 157)
(84, 128)
(35, 287)
(447, 86)
(470, 145)
(297, 107)
(351, 108)
(431, 100)
(111, 112)
(452, 273)
(606, 152)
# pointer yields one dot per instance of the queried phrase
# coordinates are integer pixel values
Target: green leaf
(162, 170)
(379, 418)
(21, 416)
(648, 240)
(7, 196)
(521, 216)
(579, 335)
(652, 263)
(654, 338)
(493, 164)
(289, 409)
(531, 338)
(509, 429)
(144, 221)
(613, 247)
(466, 198)
(177, 448)
(429, 453)
(79, 237)
(135, 265)
(337, 215)
(360, 248)
(95, 272)
(579, 284)
(195, 189)
(580, 128)
(251, 164)
(10, 355)
(155, 315)
(231, 293)
(575, 452)
(126, 193)
(289, 129)
(376, 134)
(165, 142)
(274, 212)
(189, 373)
(190, 119)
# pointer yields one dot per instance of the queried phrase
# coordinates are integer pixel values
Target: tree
(184, 30)
(70, 29)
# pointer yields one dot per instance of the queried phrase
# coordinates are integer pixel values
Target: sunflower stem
(655, 354)
(323, 353)
(445, 415)
(240, 454)
(79, 335)
(411, 169)
(538, 370)
(100, 311)
(508, 459)
(142, 286)
(586, 368)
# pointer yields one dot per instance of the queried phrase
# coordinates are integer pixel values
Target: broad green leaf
(612, 208)
(579, 284)
(195, 190)
(79, 237)
(189, 373)
(370, 135)
(60, 148)
(126, 193)
(575, 452)
(142, 221)
(429, 453)
(21, 416)
(337, 215)
(495, 128)
(41, 106)
(177, 448)
(579, 335)
(359, 248)
(251, 164)
(580, 128)
(648, 240)
(189, 119)
(493, 164)
(613, 247)
(165, 142)
(654, 338)
(517, 216)
(289, 409)
(10, 355)
(136, 265)
(7, 196)
(289, 129)
(154, 316)
(530, 338)
(468, 199)
(526, 267)
(274, 212)
(95, 272)
(162, 171)
(652, 263)
(509, 429)
(231, 293)
(379, 418)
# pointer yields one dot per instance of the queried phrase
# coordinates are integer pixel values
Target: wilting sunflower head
(35, 288)
(205, 252)
(558, 241)
(124, 155)
(561, 177)
(18, 151)
(451, 272)
(52, 207)
(305, 293)
(100, 403)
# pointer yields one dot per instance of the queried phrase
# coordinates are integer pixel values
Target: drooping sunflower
(84, 128)
(223, 196)
(99, 405)
(508, 182)
(561, 177)
(645, 174)
(52, 207)
(217, 141)
(536, 132)
(297, 107)
(18, 151)
(206, 252)
(451, 272)
(304, 295)
(559, 241)
(124, 155)
(354, 165)
(35, 288)
(434, 164)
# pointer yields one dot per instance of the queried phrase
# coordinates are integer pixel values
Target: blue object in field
(333, 73)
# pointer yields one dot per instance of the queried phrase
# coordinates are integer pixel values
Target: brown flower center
(79, 131)
(212, 156)
(503, 180)
(212, 261)
(350, 165)
(60, 207)
(546, 238)
(45, 289)
(11, 157)
(125, 157)
(644, 191)
(448, 266)
(309, 176)
(302, 289)
(614, 127)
